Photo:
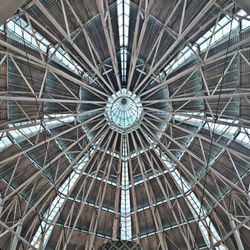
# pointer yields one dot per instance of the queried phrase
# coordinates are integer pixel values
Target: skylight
(244, 137)
(124, 111)
(129, 150)
(126, 230)
(216, 33)
(20, 134)
(22, 30)
(210, 38)
(123, 11)
(225, 127)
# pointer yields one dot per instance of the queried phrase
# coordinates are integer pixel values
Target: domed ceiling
(125, 120)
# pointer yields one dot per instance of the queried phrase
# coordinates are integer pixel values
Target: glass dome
(124, 111)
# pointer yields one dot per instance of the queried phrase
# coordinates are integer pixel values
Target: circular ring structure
(124, 111)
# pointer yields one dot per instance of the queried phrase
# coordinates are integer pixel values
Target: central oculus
(124, 111)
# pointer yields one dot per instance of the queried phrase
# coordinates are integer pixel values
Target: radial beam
(108, 32)
(70, 40)
(87, 193)
(27, 182)
(177, 42)
(54, 137)
(125, 207)
(133, 194)
(204, 138)
(102, 192)
(156, 219)
(206, 191)
(193, 98)
(57, 205)
(51, 100)
(231, 51)
(116, 222)
(40, 63)
(166, 195)
(59, 179)
(138, 39)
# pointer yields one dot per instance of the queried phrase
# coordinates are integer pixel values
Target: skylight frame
(181, 63)
(203, 42)
(123, 15)
(21, 134)
(22, 30)
(124, 118)
(125, 206)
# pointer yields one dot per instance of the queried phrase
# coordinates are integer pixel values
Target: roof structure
(125, 120)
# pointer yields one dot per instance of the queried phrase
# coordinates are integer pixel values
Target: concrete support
(243, 4)
(8, 8)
